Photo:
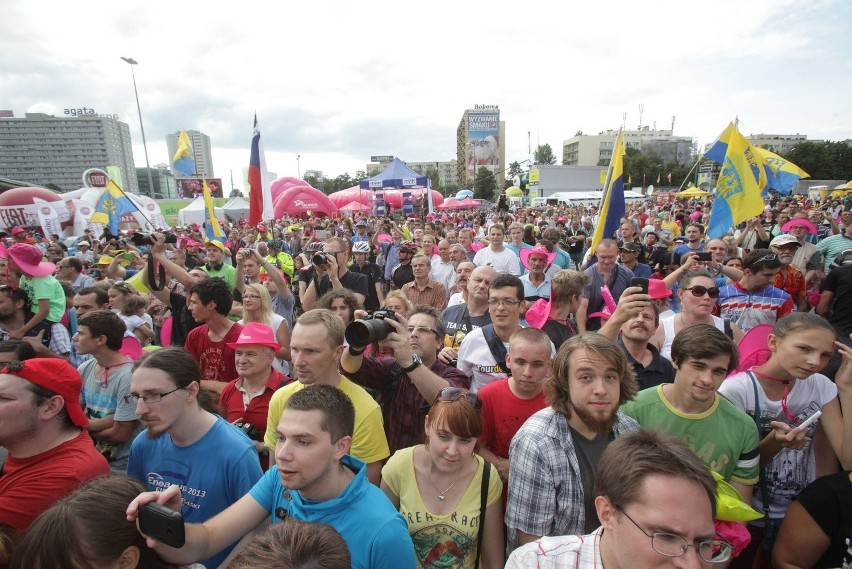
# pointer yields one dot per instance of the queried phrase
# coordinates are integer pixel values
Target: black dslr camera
(141, 239)
(362, 333)
(320, 258)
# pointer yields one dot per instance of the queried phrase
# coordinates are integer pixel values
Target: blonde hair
(265, 305)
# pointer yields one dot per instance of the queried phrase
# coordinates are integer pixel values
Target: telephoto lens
(361, 333)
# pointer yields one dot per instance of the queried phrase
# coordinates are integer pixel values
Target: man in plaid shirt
(656, 502)
(554, 456)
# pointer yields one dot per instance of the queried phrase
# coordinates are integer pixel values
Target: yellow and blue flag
(612, 206)
(781, 174)
(113, 204)
(741, 180)
(184, 159)
(211, 225)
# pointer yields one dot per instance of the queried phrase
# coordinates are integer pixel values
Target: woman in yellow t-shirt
(437, 487)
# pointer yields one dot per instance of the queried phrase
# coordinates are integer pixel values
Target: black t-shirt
(459, 323)
(559, 332)
(402, 275)
(355, 282)
(829, 503)
(588, 454)
(374, 275)
(182, 321)
(575, 248)
(839, 282)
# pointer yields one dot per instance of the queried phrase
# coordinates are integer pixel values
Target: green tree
(514, 170)
(823, 160)
(544, 154)
(235, 193)
(485, 185)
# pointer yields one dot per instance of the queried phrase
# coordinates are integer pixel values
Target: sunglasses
(700, 291)
(454, 394)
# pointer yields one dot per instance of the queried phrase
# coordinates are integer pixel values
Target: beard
(596, 423)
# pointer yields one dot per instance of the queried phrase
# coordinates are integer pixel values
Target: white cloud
(338, 81)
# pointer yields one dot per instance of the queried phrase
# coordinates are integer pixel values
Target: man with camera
(332, 272)
(245, 400)
(410, 379)
(316, 345)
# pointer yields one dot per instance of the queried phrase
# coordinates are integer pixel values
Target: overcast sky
(337, 82)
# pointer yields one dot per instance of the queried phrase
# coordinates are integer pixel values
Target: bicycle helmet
(408, 247)
(361, 247)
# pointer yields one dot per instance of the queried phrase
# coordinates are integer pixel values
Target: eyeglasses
(700, 291)
(671, 545)
(507, 302)
(148, 398)
(422, 330)
(454, 394)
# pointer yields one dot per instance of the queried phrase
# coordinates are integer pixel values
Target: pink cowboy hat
(537, 250)
(255, 334)
(799, 221)
(657, 289)
(29, 260)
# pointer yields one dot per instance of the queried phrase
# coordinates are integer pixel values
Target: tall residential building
(447, 171)
(42, 149)
(594, 150)
(201, 149)
(480, 143)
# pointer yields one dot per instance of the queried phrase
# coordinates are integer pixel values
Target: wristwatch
(415, 363)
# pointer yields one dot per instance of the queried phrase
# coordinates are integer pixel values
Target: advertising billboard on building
(193, 188)
(483, 140)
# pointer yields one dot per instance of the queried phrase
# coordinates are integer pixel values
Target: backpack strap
(483, 497)
(498, 349)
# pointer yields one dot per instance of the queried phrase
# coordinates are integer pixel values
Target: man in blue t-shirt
(314, 480)
(185, 448)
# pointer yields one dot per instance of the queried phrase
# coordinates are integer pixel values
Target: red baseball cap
(57, 376)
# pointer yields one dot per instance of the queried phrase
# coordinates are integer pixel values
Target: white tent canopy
(194, 213)
(236, 208)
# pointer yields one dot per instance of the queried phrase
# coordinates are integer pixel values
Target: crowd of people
(474, 389)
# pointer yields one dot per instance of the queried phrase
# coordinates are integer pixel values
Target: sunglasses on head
(700, 291)
(454, 394)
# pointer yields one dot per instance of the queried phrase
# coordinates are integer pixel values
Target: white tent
(194, 213)
(236, 208)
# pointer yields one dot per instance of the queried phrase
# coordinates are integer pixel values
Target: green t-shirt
(723, 437)
(45, 287)
(227, 272)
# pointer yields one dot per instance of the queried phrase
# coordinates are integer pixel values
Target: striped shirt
(748, 309)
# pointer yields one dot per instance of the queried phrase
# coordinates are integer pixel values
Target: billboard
(483, 141)
(189, 188)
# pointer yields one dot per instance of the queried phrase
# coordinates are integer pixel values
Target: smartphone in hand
(162, 523)
(640, 282)
(704, 256)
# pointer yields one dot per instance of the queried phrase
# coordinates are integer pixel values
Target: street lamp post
(130, 61)
(298, 166)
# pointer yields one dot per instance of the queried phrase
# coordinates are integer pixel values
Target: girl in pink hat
(47, 298)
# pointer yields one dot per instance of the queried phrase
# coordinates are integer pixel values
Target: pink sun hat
(525, 254)
(255, 333)
(657, 289)
(799, 221)
(29, 259)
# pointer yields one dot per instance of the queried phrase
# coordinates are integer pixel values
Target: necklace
(441, 495)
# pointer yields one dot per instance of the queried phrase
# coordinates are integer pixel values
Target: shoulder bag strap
(498, 349)
(483, 497)
(764, 489)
